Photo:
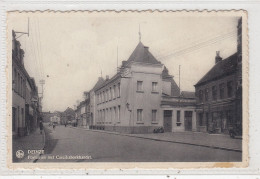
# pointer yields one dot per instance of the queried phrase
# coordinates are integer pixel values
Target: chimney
(107, 77)
(217, 58)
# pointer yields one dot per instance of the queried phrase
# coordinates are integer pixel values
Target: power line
(199, 45)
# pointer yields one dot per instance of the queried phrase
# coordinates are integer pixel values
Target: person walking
(53, 126)
(41, 126)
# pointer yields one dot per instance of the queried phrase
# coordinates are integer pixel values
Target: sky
(70, 50)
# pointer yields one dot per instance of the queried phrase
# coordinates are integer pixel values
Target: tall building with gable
(141, 97)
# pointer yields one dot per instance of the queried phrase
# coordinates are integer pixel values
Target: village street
(89, 146)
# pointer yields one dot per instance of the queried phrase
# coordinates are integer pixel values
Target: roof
(141, 54)
(188, 94)
(108, 81)
(175, 90)
(99, 83)
(222, 68)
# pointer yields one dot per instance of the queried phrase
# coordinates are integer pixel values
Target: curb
(170, 141)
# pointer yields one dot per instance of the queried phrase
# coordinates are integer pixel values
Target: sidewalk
(218, 141)
(34, 141)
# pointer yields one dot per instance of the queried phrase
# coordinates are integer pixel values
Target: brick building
(219, 92)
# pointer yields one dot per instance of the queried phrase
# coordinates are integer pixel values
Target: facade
(25, 101)
(68, 116)
(219, 93)
(81, 115)
(140, 97)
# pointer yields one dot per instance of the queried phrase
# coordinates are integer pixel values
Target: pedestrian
(41, 126)
(65, 124)
(53, 126)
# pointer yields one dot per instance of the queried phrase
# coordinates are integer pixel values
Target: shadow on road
(50, 143)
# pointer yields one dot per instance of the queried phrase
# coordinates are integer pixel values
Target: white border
(253, 8)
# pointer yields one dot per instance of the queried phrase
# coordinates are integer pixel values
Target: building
(25, 101)
(68, 116)
(141, 97)
(81, 113)
(32, 111)
(219, 92)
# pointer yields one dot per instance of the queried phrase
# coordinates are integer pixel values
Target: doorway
(167, 120)
(188, 120)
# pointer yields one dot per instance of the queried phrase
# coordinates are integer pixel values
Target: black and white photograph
(135, 87)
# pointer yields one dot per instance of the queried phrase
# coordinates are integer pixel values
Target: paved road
(102, 147)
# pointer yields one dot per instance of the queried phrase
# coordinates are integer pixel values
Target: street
(104, 147)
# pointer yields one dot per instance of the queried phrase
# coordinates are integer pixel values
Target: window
(104, 96)
(214, 92)
(114, 92)
(139, 115)
(154, 115)
(111, 93)
(139, 86)
(118, 91)
(118, 113)
(230, 88)
(154, 86)
(206, 94)
(221, 90)
(114, 115)
(201, 96)
(15, 79)
(107, 95)
(111, 115)
(200, 119)
(178, 116)
(18, 89)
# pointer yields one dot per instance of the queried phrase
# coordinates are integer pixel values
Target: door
(167, 120)
(188, 120)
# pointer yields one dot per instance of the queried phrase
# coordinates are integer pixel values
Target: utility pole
(23, 33)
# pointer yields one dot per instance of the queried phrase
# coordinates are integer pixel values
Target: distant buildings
(219, 92)
(26, 106)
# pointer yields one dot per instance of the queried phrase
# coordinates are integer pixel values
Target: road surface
(67, 144)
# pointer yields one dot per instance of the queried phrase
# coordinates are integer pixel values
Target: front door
(188, 120)
(167, 120)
